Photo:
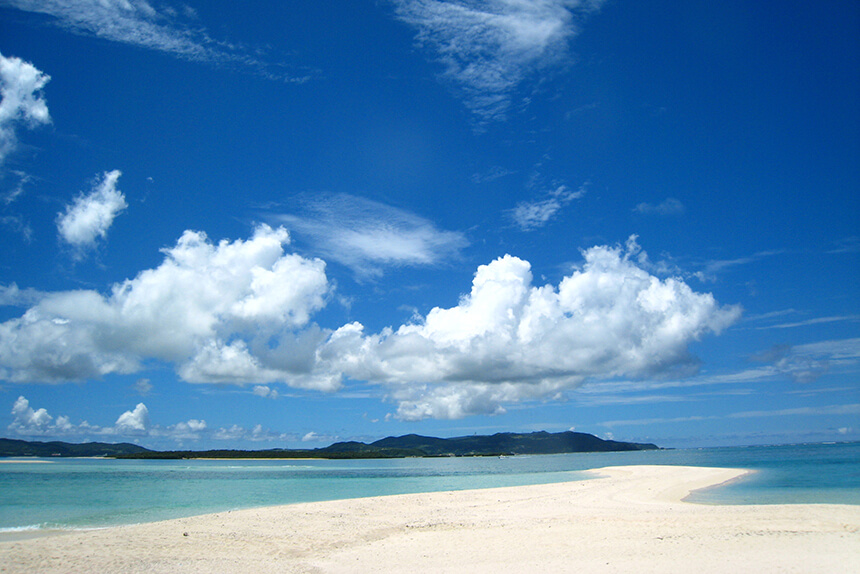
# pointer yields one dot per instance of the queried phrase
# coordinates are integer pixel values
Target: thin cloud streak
(137, 23)
(713, 267)
(801, 363)
(669, 206)
(802, 411)
(655, 421)
(368, 236)
(815, 321)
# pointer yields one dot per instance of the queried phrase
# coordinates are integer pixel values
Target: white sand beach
(632, 520)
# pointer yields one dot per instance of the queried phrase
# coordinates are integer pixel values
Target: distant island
(12, 447)
(411, 445)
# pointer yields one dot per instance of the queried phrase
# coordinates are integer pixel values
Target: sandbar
(631, 519)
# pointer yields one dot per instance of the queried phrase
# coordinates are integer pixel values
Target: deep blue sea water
(47, 494)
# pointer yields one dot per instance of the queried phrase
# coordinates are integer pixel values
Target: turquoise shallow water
(92, 493)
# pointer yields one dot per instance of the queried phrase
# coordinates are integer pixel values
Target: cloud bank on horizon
(31, 422)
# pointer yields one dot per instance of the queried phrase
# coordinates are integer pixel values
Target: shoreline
(19, 533)
(740, 477)
(631, 518)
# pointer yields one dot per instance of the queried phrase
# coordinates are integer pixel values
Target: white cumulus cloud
(190, 430)
(488, 48)
(211, 309)
(136, 420)
(90, 215)
(134, 423)
(28, 421)
(265, 392)
(21, 86)
(509, 340)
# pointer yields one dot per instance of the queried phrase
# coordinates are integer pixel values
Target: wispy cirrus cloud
(801, 364)
(17, 224)
(715, 266)
(142, 386)
(367, 236)
(827, 410)
(489, 48)
(138, 23)
(491, 174)
(669, 206)
(851, 409)
(813, 321)
(531, 215)
(654, 421)
(846, 245)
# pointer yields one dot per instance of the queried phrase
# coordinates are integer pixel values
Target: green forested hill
(12, 447)
(503, 443)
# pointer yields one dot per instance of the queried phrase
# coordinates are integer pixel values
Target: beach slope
(631, 519)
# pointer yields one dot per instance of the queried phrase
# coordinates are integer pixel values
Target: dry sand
(633, 520)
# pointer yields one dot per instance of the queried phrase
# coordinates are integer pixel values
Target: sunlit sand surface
(632, 519)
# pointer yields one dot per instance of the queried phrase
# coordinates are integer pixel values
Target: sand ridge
(632, 519)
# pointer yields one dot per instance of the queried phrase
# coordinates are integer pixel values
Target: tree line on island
(411, 445)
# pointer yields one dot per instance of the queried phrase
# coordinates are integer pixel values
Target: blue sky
(281, 224)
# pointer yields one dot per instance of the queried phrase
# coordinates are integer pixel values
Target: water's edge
(72, 494)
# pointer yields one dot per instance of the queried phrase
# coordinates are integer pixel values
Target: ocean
(42, 495)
